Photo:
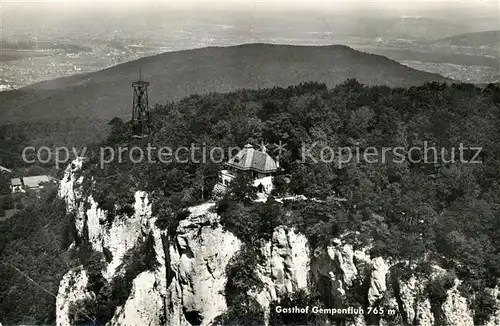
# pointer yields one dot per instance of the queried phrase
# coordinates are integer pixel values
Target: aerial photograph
(239, 162)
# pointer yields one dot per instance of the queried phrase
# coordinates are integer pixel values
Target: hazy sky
(488, 7)
(261, 1)
(28, 12)
(314, 3)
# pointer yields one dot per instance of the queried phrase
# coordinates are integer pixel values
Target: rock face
(186, 286)
(414, 310)
(198, 259)
(337, 267)
(144, 305)
(72, 289)
(286, 267)
(455, 309)
(378, 286)
(495, 319)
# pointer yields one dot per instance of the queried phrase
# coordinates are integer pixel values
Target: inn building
(258, 164)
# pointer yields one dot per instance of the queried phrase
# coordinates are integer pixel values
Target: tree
(117, 129)
(34, 171)
(4, 184)
(241, 313)
(270, 216)
(7, 202)
(200, 182)
(241, 189)
(240, 219)
(281, 185)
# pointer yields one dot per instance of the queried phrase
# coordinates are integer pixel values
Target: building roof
(250, 159)
(36, 181)
(16, 182)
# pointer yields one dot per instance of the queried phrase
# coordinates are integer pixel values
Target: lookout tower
(140, 109)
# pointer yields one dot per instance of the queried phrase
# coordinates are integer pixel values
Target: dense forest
(442, 213)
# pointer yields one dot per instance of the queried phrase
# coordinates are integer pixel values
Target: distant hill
(108, 93)
(488, 38)
(408, 27)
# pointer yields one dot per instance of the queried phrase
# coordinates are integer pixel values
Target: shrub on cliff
(437, 289)
(82, 312)
(320, 222)
(110, 295)
(241, 189)
(484, 305)
(241, 273)
(247, 312)
(167, 217)
(250, 222)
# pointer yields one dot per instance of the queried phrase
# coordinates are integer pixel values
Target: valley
(45, 48)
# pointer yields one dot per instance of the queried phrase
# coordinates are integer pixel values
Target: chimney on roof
(263, 148)
(248, 146)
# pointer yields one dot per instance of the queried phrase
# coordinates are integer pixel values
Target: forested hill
(108, 93)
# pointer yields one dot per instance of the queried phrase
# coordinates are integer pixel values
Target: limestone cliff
(187, 285)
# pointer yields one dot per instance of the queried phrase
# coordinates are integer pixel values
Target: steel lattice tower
(140, 109)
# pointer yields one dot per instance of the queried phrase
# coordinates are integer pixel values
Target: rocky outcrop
(407, 297)
(455, 310)
(145, 305)
(187, 285)
(378, 286)
(199, 255)
(147, 302)
(285, 268)
(70, 185)
(424, 316)
(72, 292)
(414, 307)
(338, 265)
(495, 319)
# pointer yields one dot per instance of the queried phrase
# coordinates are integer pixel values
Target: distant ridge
(107, 93)
(487, 38)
